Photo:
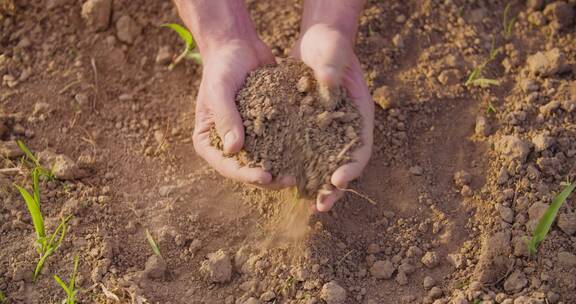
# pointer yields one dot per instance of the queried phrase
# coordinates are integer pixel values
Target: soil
(294, 130)
(461, 173)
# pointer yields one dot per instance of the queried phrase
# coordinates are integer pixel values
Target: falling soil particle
(294, 129)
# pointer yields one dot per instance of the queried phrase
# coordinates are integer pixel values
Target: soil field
(462, 169)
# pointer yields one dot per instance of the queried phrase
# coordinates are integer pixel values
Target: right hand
(225, 69)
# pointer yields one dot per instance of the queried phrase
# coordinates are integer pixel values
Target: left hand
(329, 52)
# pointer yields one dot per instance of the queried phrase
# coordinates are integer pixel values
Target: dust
(294, 127)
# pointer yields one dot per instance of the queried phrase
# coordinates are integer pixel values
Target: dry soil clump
(295, 127)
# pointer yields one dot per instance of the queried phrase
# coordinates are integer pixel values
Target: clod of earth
(295, 127)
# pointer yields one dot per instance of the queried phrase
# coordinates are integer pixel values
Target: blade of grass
(35, 213)
(27, 152)
(153, 244)
(36, 186)
(547, 219)
(184, 34)
(62, 284)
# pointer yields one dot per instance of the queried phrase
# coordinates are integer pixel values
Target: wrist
(338, 15)
(215, 24)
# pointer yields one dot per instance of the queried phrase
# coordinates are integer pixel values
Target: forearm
(214, 22)
(341, 15)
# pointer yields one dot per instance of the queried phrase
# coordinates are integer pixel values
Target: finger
(279, 183)
(227, 167)
(326, 199)
(326, 51)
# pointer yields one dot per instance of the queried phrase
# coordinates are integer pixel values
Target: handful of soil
(293, 127)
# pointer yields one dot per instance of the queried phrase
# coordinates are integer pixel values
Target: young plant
(507, 22)
(548, 218)
(35, 162)
(69, 288)
(190, 50)
(152, 243)
(476, 79)
(45, 245)
(3, 298)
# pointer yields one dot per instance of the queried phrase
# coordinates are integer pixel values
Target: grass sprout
(69, 288)
(152, 243)
(547, 219)
(490, 109)
(3, 298)
(46, 245)
(190, 51)
(476, 79)
(507, 22)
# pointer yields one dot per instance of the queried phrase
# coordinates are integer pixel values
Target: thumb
(226, 118)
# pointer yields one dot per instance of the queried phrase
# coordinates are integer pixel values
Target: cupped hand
(224, 70)
(330, 54)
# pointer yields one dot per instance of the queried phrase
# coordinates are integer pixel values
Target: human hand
(329, 52)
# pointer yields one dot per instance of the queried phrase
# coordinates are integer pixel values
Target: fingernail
(229, 140)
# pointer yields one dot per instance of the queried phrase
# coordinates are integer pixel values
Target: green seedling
(490, 109)
(507, 22)
(46, 245)
(548, 218)
(152, 243)
(3, 298)
(69, 288)
(190, 51)
(476, 79)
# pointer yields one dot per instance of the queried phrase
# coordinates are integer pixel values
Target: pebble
(97, 13)
(416, 170)
(430, 259)
(127, 29)
(542, 142)
(506, 213)
(457, 260)
(164, 55)
(515, 281)
(428, 282)
(304, 84)
(513, 148)
(401, 278)
(435, 292)
(384, 97)
(462, 178)
(567, 223)
(218, 267)
(529, 85)
(560, 14)
(155, 267)
(450, 77)
(333, 293)
(567, 259)
(267, 296)
(382, 269)
(10, 149)
(547, 63)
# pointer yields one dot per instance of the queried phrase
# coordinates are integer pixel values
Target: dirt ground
(460, 173)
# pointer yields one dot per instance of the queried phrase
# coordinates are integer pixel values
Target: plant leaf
(35, 212)
(485, 82)
(62, 284)
(27, 152)
(153, 243)
(74, 272)
(548, 218)
(195, 56)
(184, 34)
(36, 185)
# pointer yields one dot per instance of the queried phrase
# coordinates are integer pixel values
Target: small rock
(552, 297)
(482, 127)
(127, 29)
(398, 41)
(560, 14)
(217, 268)
(542, 142)
(513, 148)
(155, 267)
(430, 259)
(333, 293)
(401, 278)
(567, 259)
(506, 214)
(63, 167)
(536, 211)
(567, 222)
(502, 176)
(267, 296)
(537, 18)
(450, 77)
(547, 64)
(304, 84)
(520, 247)
(406, 268)
(515, 281)
(529, 86)
(494, 258)
(382, 269)
(428, 282)
(373, 248)
(97, 14)
(384, 97)
(435, 292)
(10, 149)
(251, 300)
(457, 260)
(164, 55)
(416, 170)
(462, 178)
(535, 4)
